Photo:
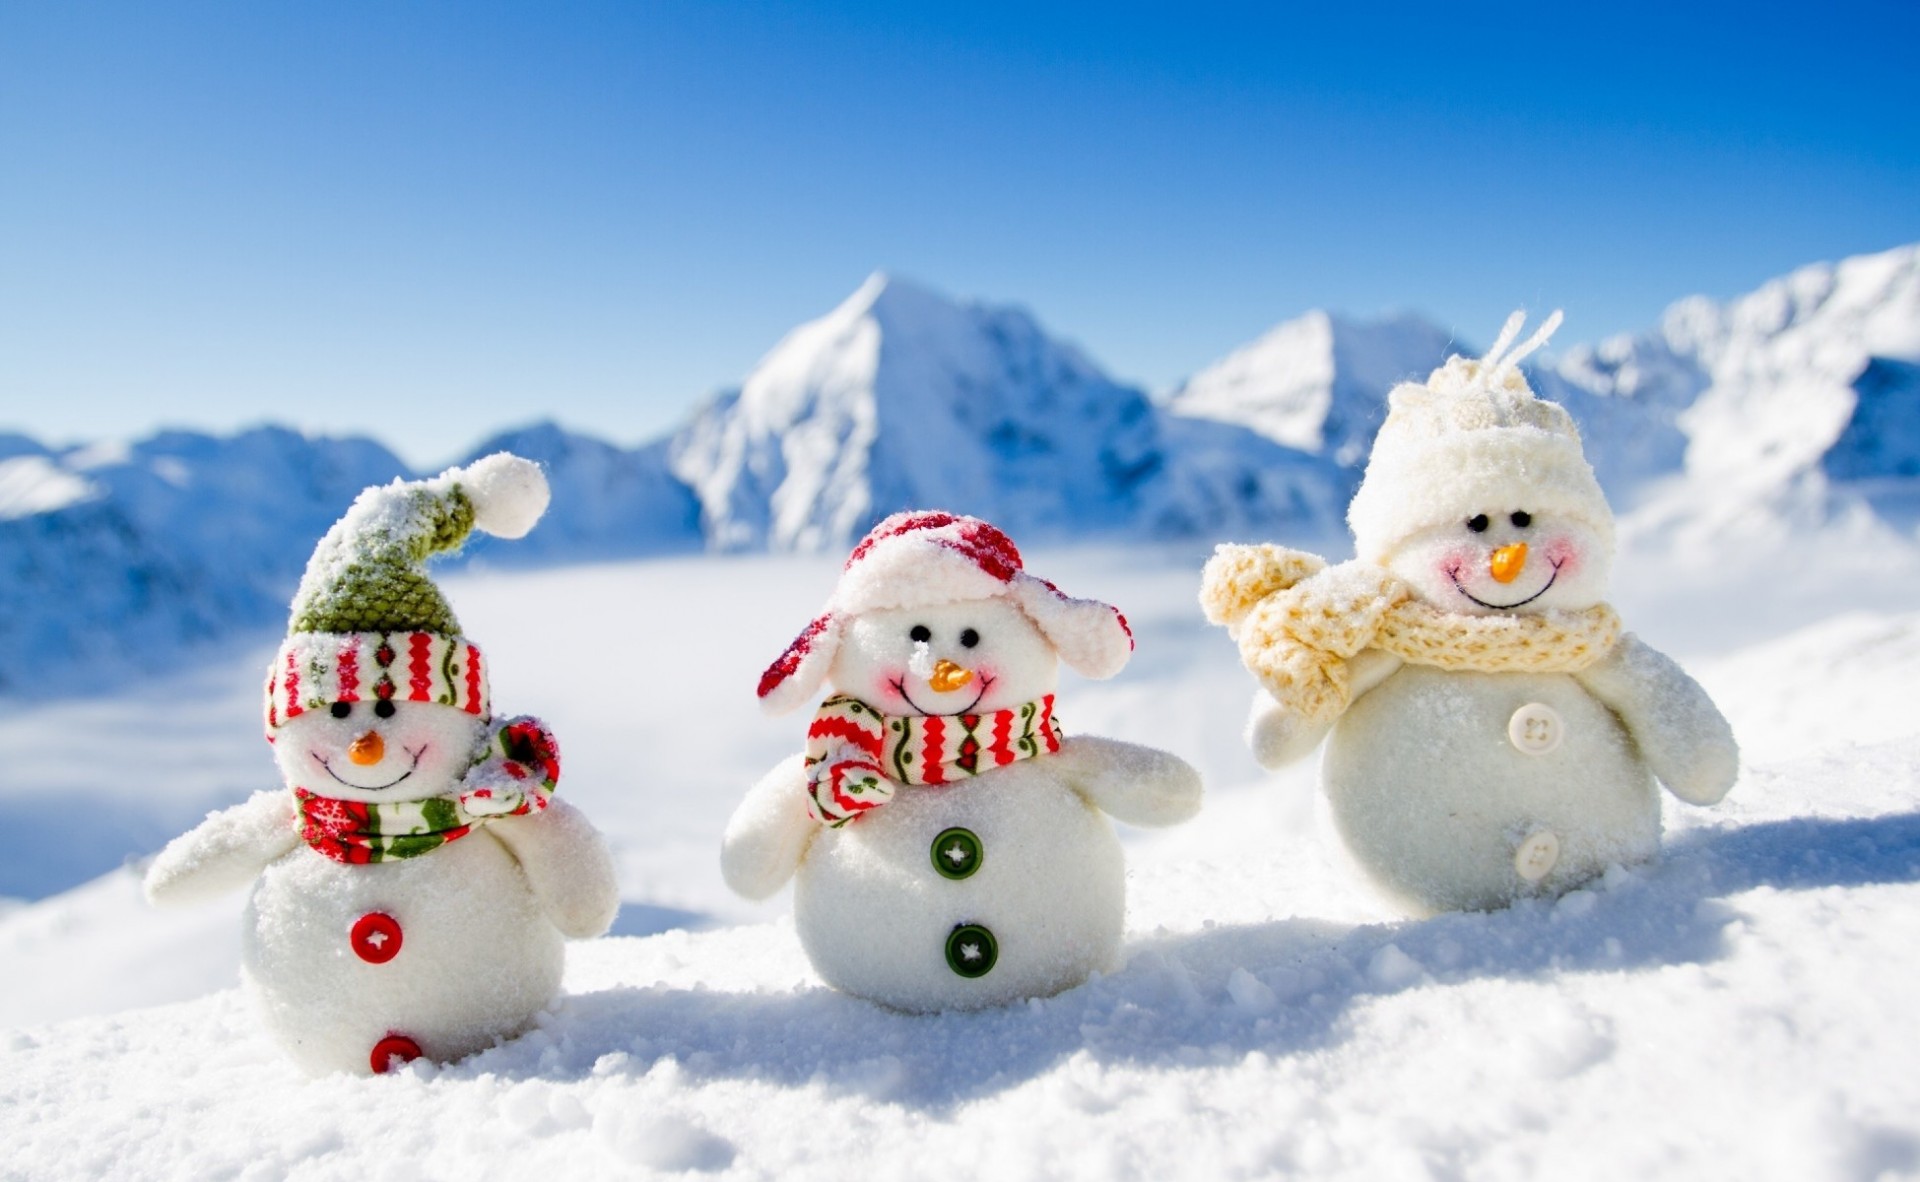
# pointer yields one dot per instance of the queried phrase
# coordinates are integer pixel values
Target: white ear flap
(798, 673)
(1090, 636)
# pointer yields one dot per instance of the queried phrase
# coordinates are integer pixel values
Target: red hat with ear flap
(800, 671)
(919, 558)
(1091, 637)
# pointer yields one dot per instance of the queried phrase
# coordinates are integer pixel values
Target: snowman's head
(972, 657)
(1478, 495)
(375, 694)
(1502, 559)
(935, 614)
(378, 751)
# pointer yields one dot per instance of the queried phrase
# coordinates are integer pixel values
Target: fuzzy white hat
(921, 558)
(1473, 439)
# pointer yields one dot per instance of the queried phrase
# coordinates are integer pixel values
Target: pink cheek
(1456, 564)
(1564, 553)
(886, 685)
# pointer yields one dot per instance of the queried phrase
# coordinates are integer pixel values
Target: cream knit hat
(1473, 439)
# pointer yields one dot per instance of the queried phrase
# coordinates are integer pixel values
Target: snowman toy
(1494, 734)
(946, 841)
(413, 883)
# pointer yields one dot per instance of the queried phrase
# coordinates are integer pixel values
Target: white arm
(568, 866)
(1131, 783)
(227, 850)
(1683, 735)
(1279, 737)
(769, 832)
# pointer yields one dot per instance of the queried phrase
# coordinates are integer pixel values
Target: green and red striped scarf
(517, 777)
(857, 756)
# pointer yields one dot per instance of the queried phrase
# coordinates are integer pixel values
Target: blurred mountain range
(1794, 407)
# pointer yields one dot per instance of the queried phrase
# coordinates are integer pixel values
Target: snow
(37, 484)
(1740, 1008)
(904, 398)
(1317, 382)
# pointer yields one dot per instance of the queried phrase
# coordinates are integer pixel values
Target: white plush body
(482, 922)
(477, 961)
(874, 915)
(1432, 800)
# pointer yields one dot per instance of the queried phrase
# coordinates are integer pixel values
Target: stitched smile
(900, 686)
(321, 760)
(1500, 607)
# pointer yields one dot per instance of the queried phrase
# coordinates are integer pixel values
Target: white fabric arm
(769, 832)
(568, 866)
(1131, 783)
(227, 850)
(1684, 737)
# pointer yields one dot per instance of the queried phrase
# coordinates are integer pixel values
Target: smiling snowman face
(375, 752)
(972, 657)
(1506, 560)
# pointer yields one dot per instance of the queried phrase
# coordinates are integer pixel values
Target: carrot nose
(1508, 561)
(948, 676)
(368, 749)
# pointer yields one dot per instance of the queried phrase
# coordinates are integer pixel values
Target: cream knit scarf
(857, 755)
(1299, 621)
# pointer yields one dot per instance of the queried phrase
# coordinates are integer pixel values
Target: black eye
(969, 638)
(1478, 523)
(383, 708)
(342, 709)
(920, 634)
(1522, 519)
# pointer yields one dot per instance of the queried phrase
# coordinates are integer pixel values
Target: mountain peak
(1317, 382)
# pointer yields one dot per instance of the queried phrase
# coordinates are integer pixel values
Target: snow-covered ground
(1740, 1009)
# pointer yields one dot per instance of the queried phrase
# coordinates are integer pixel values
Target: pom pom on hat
(508, 493)
(1473, 438)
(920, 558)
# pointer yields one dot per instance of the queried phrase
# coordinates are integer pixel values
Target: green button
(972, 950)
(957, 853)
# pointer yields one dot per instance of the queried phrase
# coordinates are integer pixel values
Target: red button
(393, 1046)
(375, 938)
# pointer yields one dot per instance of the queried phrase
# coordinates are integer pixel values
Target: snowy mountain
(114, 556)
(1792, 403)
(1728, 424)
(608, 501)
(1316, 383)
(900, 397)
(1795, 403)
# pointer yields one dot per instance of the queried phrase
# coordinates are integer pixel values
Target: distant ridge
(1794, 407)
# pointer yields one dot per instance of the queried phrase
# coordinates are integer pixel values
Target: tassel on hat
(921, 558)
(367, 624)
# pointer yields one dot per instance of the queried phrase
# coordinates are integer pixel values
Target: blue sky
(426, 221)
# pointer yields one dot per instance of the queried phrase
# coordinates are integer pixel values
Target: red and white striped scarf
(857, 756)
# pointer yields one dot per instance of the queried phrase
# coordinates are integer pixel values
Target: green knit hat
(367, 622)
(368, 574)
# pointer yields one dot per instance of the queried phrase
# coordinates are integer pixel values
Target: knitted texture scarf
(1299, 621)
(518, 779)
(857, 756)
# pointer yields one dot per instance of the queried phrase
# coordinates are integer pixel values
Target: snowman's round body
(1030, 900)
(1433, 786)
(448, 950)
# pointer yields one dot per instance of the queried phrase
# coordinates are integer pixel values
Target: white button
(1535, 728)
(1536, 857)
